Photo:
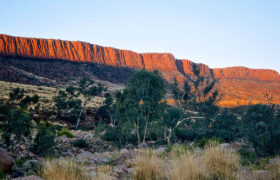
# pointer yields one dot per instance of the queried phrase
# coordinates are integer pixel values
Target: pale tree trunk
(169, 136)
(181, 101)
(164, 133)
(138, 136)
(112, 120)
(146, 126)
(137, 131)
(80, 114)
(79, 118)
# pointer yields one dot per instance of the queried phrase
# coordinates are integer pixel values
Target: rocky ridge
(166, 63)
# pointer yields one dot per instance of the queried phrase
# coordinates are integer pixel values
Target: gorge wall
(236, 84)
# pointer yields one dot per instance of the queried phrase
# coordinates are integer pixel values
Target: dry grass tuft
(148, 166)
(103, 169)
(274, 167)
(187, 166)
(62, 169)
(221, 163)
(184, 164)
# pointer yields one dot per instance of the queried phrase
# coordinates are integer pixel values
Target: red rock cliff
(166, 63)
(246, 73)
(84, 52)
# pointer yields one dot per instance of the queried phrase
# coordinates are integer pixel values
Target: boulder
(6, 161)
(124, 155)
(237, 145)
(124, 151)
(120, 171)
(106, 160)
(225, 145)
(93, 158)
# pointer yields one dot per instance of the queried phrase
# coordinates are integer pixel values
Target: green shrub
(247, 157)
(202, 143)
(66, 132)
(80, 143)
(43, 143)
(111, 134)
(2, 175)
(100, 128)
(16, 125)
(57, 127)
(19, 162)
(225, 126)
(262, 130)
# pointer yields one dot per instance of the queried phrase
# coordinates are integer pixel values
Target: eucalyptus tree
(141, 102)
(74, 99)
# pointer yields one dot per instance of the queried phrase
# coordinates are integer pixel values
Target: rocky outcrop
(84, 52)
(6, 161)
(167, 64)
(246, 73)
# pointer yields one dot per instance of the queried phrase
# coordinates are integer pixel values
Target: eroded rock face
(167, 64)
(84, 52)
(246, 73)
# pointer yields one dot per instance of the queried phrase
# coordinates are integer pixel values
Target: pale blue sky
(219, 33)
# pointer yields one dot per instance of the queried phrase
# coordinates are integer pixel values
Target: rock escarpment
(166, 63)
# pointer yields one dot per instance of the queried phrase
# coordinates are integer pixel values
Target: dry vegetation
(180, 163)
(148, 166)
(212, 163)
(67, 169)
(274, 167)
(45, 93)
(62, 169)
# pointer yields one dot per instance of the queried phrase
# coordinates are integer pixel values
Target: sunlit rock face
(232, 82)
(246, 73)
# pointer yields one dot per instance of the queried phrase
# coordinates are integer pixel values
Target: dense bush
(80, 143)
(43, 144)
(136, 108)
(68, 102)
(262, 129)
(2, 175)
(15, 117)
(225, 126)
(16, 125)
(248, 157)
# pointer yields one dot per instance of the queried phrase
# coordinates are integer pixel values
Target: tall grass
(67, 169)
(274, 167)
(212, 163)
(62, 169)
(148, 166)
(221, 163)
(187, 166)
(179, 164)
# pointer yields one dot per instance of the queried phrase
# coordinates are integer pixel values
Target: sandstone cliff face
(84, 52)
(246, 73)
(166, 63)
